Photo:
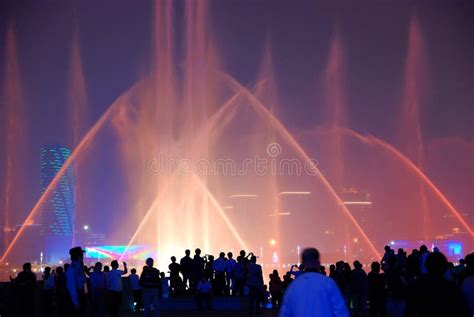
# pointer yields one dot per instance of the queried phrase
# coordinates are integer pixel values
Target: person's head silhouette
(77, 254)
(98, 267)
(436, 264)
(149, 262)
(310, 259)
(375, 266)
(187, 252)
(423, 249)
(357, 265)
(173, 259)
(27, 267)
(197, 251)
(469, 261)
(114, 264)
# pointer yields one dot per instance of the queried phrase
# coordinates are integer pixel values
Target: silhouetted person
(389, 253)
(165, 286)
(25, 283)
(423, 256)
(255, 285)
(230, 273)
(413, 265)
(218, 266)
(434, 295)
(339, 276)
(186, 265)
(115, 287)
(376, 291)
(239, 276)
(245, 258)
(151, 285)
(198, 268)
(47, 297)
(332, 271)
(209, 271)
(322, 270)
(136, 289)
(313, 294)
(75, 281)
(204, 294)
(358, 290)
(62, 296)
(286, 282)
(297, 270)
(397, 289)
(458, 271)
(401, 258)
(449, 275)
(265, 300)
(174, 276)
(98, 287)
(346, 275)
(276, 289)
(467, 282)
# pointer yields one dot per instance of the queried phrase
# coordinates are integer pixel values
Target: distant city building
(57, 213)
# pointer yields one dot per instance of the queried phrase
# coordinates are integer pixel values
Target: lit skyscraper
(57, 215)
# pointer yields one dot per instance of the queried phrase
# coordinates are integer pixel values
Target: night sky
(115, 40)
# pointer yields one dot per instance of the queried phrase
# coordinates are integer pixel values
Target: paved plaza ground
(204, 314)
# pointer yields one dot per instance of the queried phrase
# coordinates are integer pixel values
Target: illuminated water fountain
(204, 161)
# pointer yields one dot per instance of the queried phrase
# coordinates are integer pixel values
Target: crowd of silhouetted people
(422, 283)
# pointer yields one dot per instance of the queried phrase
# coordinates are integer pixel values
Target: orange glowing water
(411, 142)
(14, 134)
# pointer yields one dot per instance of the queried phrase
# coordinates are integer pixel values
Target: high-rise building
(57, 214)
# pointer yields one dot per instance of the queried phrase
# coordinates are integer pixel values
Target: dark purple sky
(115, 40)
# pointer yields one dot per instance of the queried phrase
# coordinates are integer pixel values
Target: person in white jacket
(312, 293)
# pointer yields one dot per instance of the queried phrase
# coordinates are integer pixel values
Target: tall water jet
(411, 140)
(14, 136)
(164, 100)
(195, 104)
(78, 113)
(266, 90)
(335, 104)
(335, 112)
